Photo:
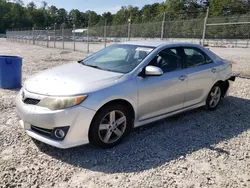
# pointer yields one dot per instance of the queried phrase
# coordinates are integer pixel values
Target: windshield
(118, 58)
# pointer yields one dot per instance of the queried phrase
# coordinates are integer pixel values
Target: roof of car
(154, 43)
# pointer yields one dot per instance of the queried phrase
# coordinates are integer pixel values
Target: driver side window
(168, 60)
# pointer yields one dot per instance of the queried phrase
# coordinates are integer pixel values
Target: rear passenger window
(194, 57)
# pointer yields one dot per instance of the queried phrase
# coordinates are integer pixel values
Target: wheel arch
(224, 86)
(116, 101)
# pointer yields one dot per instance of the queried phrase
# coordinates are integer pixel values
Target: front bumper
(77, 118)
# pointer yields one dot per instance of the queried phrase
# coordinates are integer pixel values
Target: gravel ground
(194, 149)
(240, 57)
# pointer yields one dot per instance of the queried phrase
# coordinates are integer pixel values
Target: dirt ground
(195, 149)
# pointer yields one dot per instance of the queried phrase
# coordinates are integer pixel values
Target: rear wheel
(110, 125)
(214, 97)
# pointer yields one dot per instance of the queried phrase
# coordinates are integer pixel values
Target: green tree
(61, 16)
(75, 17)
(226, 7)
(93, 17)
(108, 17)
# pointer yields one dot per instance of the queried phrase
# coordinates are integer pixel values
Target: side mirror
(153, 71)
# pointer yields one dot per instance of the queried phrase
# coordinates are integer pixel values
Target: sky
(98, 6)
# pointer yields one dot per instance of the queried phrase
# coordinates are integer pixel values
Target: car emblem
(23, 96)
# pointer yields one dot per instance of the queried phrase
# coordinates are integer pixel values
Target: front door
(163, 94)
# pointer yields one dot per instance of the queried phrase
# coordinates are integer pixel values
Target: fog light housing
(60, 133)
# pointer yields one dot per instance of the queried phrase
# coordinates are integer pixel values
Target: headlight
(57, 103)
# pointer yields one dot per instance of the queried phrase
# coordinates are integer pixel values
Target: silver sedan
(101, 98)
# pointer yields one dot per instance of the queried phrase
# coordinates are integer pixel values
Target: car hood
(70, 79)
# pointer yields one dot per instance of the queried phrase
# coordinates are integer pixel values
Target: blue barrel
(10, 72)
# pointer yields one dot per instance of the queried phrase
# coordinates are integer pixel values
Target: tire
(105, 130)
(214, 97)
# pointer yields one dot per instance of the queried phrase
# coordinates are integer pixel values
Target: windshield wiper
(94, 66)
(97, 67)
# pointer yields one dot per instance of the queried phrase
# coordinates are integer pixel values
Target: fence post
(88, 39)
(27, 36)
(17, 35)
(205, 27)
(105, 33)
(21, 35)
(74, 36)
(129, 28)
(47, 33)
(55, 35)
(63, 36)
(30, 34)
(163, 26)
(248, 39)
(33, 38)
(7, 35)
(24, 36)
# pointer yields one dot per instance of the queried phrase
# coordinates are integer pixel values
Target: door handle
(213, 70)
(182, 77)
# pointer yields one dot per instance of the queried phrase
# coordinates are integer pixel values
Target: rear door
(201, 73)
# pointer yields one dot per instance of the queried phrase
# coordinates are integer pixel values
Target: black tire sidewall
(94, 127)
(209, 98)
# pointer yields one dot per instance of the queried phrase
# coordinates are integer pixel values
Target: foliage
(183, 18)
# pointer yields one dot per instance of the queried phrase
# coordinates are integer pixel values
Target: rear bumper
(77, 118)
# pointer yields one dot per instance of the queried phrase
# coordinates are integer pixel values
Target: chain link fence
(228, 31)
(225, 31)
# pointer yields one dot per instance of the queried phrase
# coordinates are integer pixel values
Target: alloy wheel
(215, 96)
(112, 126)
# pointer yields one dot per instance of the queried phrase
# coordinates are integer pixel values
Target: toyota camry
(101, 98)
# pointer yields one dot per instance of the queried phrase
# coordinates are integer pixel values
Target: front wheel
(214, 97)
(110, 125)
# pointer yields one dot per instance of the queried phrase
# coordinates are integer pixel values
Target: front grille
(31, 101)
(46, 132)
